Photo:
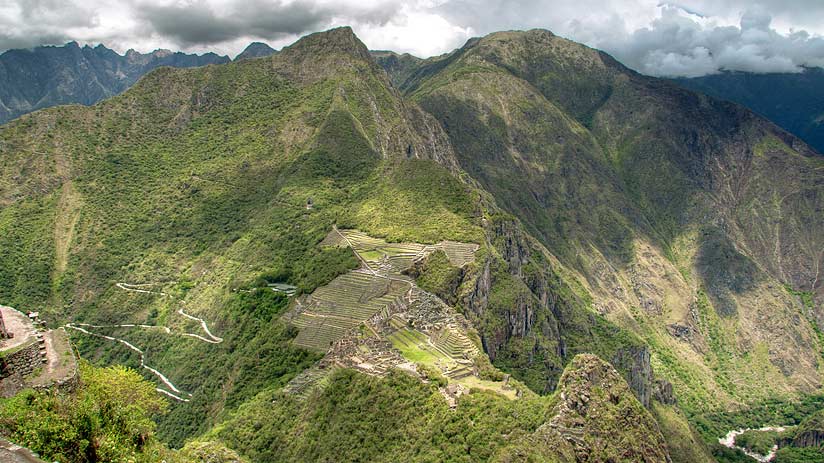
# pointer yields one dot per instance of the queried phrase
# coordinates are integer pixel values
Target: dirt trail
(135, 288)
(132, 347)
(173, 391)
(214, 339)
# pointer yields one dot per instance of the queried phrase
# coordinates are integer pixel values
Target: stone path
(13, 453)
(60, 362)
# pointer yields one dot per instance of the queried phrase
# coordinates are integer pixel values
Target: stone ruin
(31, 355)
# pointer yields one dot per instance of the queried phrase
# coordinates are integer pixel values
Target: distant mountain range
(518, 251)
(793, 101)
(32, 79)
(47, 76)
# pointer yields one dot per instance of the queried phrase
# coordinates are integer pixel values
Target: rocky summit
(518, 251)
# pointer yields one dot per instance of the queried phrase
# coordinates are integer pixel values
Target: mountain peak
(255, 50)
(337, 40)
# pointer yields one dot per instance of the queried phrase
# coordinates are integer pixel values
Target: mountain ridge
(45, 76)
(792, 101)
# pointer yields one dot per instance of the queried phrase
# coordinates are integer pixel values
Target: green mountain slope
(163, 207)
(684, 216)
(192, 185)
(593, 417)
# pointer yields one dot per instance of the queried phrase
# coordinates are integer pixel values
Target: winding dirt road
(172, 391)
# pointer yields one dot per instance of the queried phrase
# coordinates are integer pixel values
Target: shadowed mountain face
(793, 101)
(48, 76)
(673, 235)
(255, 50)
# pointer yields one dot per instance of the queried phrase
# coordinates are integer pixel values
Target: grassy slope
(359, 418)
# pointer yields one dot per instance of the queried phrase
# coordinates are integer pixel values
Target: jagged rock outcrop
(810, 432)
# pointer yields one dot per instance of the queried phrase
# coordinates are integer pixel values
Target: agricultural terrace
(375, 318)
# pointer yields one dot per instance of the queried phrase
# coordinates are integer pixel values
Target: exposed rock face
(48, 76)
(635, 361)
(809, 439)
(810, 432)
(597, 402)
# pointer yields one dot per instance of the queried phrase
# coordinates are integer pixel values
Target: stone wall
(24, 360)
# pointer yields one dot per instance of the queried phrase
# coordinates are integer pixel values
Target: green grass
(413, 346)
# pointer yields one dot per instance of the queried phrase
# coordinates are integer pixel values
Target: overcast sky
(681, 38)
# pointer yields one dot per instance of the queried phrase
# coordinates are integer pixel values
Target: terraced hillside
(702, 290)
(199, 178)
(334, 310)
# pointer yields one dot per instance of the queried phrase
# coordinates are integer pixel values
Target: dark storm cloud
(28, 23)
(200, 23)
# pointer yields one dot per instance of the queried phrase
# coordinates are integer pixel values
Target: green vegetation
(398, 418)
(107, 419)
(439, 277)
(760, 442)
(362, 418)
(209, 182)
(799, 455)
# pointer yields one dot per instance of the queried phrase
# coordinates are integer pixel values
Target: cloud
(25, 24)
(677, 38)
(682, 44)
(203, 22)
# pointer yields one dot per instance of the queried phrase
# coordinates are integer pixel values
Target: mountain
(519, 250)
(399, 67)
(47, 76)
(255, 50)
(794, 101)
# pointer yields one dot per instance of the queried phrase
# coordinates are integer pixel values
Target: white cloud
(678, 43)
(679, 38)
